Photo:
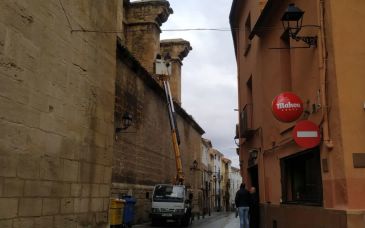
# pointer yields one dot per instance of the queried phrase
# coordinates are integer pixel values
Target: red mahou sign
(287, 107)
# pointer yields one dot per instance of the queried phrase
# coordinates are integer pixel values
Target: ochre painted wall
(301, 70)
(349, 55)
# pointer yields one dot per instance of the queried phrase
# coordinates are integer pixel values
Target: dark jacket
(243, 197)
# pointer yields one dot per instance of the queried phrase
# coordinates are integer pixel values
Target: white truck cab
(170, 202)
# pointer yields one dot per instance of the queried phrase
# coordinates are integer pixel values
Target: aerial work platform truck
(170, 201)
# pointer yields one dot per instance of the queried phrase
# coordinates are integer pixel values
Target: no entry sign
(306, 134)
(287, 107)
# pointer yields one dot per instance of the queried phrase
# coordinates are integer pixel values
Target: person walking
(254, 208)
(243, 202)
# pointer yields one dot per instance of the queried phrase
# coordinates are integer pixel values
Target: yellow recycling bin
(116, 211)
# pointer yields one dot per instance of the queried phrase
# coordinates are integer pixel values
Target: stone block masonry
(56, 112)
(144, 19)
(178, 49)
(138, 155)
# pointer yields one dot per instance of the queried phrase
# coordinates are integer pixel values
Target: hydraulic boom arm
(174, 132)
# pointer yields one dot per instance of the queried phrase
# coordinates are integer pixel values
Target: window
(247, 41)
(301, 178)
(168, 193)
(246, 115)
(249, 90)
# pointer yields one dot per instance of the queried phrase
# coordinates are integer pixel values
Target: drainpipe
(262, 165)
(323, 80)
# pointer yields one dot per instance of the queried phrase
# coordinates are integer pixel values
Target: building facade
(235, 182)
(69, 70)
(140, 150)
(226, 185)
(216, 189)
(302, 187)
(206, 176)
(56, 115)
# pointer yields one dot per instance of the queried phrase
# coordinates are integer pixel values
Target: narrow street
(216, 220)
(137, 112)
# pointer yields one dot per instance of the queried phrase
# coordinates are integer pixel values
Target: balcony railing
(246, 121)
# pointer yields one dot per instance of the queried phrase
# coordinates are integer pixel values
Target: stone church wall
(56, 112)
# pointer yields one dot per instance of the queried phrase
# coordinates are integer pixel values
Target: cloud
(209, 77)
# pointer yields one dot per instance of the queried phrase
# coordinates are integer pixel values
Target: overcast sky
(209, 81)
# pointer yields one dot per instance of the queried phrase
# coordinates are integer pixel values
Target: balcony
(210, 170)
(246, 121)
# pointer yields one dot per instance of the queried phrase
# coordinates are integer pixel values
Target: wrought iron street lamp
(236, 140)
(292, 20)
(195, 165)
(126, 122)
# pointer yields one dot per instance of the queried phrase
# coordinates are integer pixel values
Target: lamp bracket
(119, 129)
(310, 40)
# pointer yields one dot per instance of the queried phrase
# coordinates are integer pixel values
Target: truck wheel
(155, 222)
(185, 221)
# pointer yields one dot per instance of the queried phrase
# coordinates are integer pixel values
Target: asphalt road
(216, 220)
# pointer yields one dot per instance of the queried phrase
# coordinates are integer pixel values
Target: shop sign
(306, 134)
(287, 107)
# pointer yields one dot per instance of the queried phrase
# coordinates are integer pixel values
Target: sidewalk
(218, 220)
(215, 220)
(233, 222)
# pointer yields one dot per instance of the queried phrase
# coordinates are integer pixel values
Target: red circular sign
(287, 107)
(306, 134)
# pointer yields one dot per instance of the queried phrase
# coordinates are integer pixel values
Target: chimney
(178, 49)
(144, 19)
